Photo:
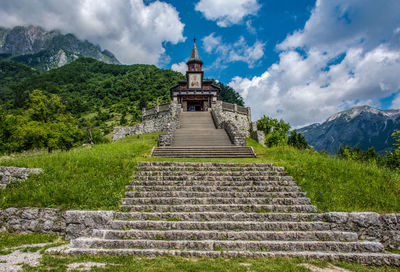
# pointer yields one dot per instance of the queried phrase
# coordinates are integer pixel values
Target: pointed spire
(195, 54)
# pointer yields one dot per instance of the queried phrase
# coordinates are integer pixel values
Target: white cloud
(396, 103)
(180, 67)
(133, 31)
(340, 59)
(227, 12)
(239, 51)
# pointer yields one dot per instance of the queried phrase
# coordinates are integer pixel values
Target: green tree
(275, 131)
(45, 124)
(297, 140)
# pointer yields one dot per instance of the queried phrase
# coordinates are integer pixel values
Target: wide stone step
(211, 183)
(209, 168)
(362, 258)
(204, 164)
(211, 173)
(231, 245)
(212, 188)
(227, 150)
(219, 208)
(221, 177)
(218, 216)
(215, 194)
(203, 156)
(220, 225)
(214, 200)
(228, 235)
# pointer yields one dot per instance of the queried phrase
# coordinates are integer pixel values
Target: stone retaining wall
(371, 226)
(384, 228)
(160, 118)
(82, 223)
(14, 174)
(236, 124)
(71, 224)
(33, 220)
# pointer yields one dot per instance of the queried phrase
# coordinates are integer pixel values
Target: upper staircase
(198, 137)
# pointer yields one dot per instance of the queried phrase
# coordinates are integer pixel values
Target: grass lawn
(94, 178)
(8, 240)
(179, 264)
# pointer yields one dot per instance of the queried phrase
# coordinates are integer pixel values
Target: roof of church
(195, 54)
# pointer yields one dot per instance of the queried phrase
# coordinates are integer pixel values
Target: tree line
(79, 101)
(277, 132)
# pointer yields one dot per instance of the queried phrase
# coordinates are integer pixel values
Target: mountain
(46, 50)
(361, 126)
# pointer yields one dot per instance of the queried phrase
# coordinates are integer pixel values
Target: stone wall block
(15, 174)
(82, 223)
(336, 217)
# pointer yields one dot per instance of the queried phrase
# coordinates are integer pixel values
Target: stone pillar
(143, 113)
(249, 114)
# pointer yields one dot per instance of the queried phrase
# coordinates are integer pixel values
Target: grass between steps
(176, 264)
(95, 178)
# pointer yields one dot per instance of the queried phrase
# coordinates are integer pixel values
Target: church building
(195, 93)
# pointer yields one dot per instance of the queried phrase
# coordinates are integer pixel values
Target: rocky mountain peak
(358, 110)
(361, 126)
(45, 50)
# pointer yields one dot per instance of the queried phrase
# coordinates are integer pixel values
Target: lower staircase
(198, 138)
(229, 210)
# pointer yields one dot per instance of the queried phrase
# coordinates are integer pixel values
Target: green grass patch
(8, 240)
(95, 178)
(177, 264)
(84, 178)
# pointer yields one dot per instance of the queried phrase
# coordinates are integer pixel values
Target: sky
(301, 61)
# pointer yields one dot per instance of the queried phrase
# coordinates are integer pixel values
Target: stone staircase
(199, 138)
(229, 210)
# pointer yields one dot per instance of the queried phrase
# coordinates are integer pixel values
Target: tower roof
(194, 56)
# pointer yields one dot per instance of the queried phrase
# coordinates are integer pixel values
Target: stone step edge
(364, 246)
(341, 236)
(214, 213)
(362, 258)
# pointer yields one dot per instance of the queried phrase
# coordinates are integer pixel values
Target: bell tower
(194, 74)
(195, 93)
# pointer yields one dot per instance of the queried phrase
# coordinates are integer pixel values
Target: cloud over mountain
(131, 29)
(347, 54)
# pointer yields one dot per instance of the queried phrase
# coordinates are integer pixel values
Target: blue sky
(301, 61)
(273, 21)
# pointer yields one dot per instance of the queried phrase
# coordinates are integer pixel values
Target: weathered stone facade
(33, 220)
(14, 174)
(384, 228)
(236, 123)
(156, 119)
(82, 223)
(71, 224)
(257, 135)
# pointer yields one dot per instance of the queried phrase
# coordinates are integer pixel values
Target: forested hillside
(97, 95)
